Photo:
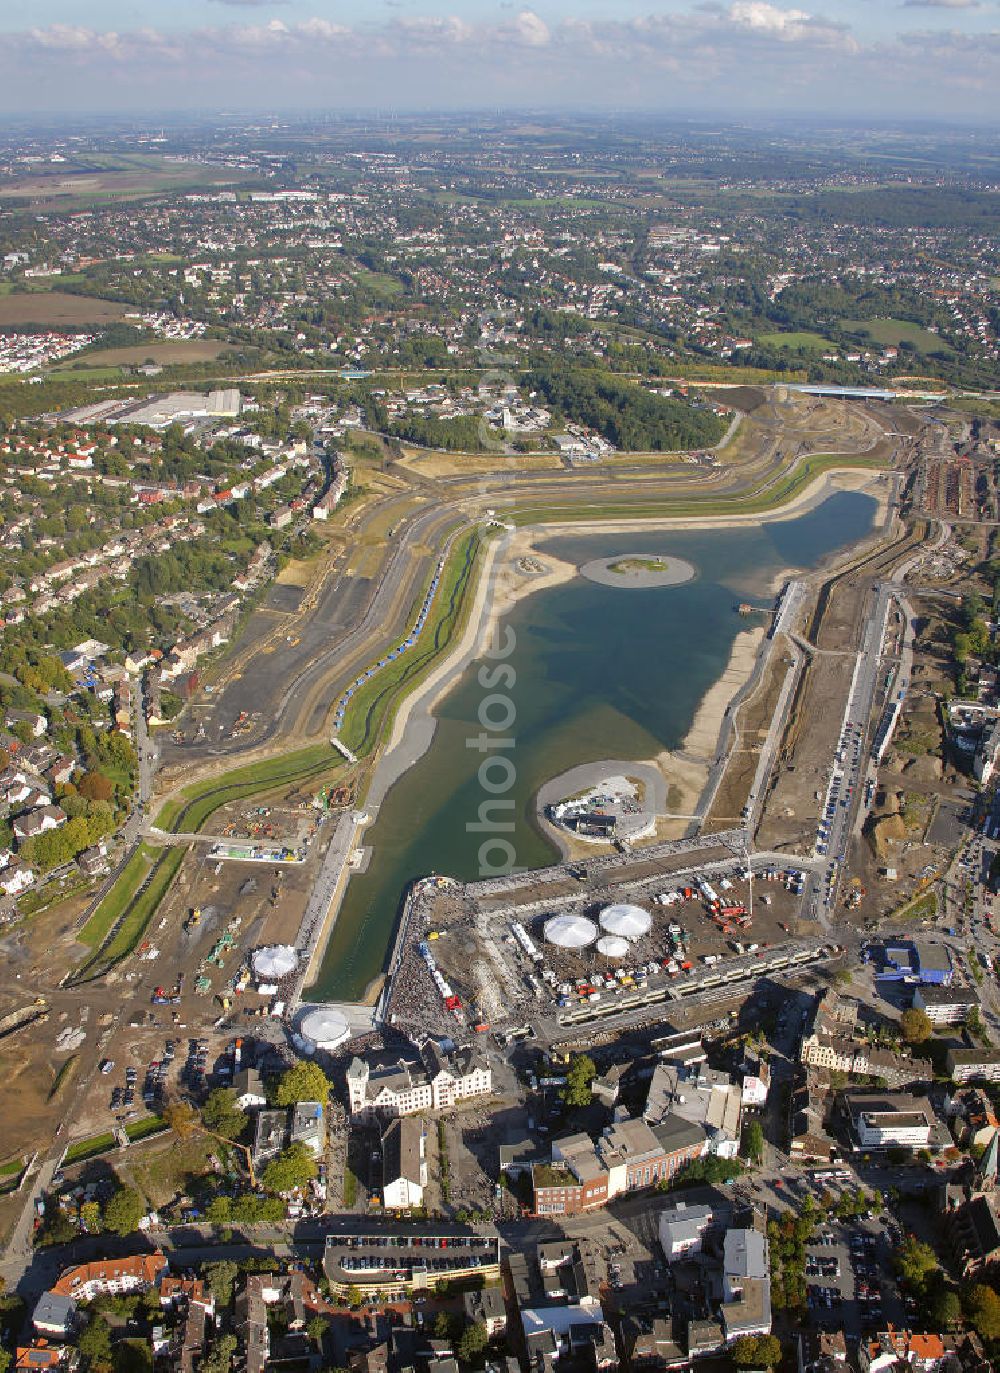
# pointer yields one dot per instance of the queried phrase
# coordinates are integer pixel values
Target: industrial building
(919, 961)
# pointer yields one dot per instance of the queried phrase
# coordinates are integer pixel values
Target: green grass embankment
(113, 907)
(770, 496)
(373, 706)
(188, 813)
(121, 920)
(88, 1148)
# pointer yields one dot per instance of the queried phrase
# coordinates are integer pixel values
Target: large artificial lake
(601, 672)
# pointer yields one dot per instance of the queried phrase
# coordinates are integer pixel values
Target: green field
(170, 354)
(11, 1174)
(890, 333)
(798, 338)
(379, 283)
(373, 705)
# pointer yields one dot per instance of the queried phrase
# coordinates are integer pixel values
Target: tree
(944, 1308)
(316, 1328)
(768, 1351)
(95, 1341)
(220, 1356)
(5, 1359)
(124, 1211)
(446, 1325)
(745, 1352)
(221, 1115)
(219, 1211)
(132, 1356)
(757, 1351)
(472, 1341)
(982, 1306)
(220, 1277)
(753, 1142)
(303, 1081)
(354, 1298)
(915, 1262)
(916, 1026)
(96, 787)
(181, 1117)
(90, 1214)
(579, 1075)
(293, 1167)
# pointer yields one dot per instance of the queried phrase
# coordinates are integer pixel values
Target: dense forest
(628, 416)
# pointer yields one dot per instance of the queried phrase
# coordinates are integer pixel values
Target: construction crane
(198, 1128)
(244, 1149)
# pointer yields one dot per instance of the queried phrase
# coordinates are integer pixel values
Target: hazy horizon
(936, 59)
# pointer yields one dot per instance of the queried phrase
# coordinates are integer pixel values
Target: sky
(862, 58)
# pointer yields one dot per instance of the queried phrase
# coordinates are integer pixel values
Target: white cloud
(531, 30)
(758, 14)
(942, 4)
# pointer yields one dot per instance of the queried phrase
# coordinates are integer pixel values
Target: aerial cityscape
(500, 688)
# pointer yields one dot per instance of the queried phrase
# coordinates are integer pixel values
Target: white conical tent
(274, 962)
(612, 946)
(326, 1027)
(570, 931)
(629, 922)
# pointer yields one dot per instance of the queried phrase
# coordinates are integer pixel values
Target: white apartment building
(406, 1085)
(888, 1129)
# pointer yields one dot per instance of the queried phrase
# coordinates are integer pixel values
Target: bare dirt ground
(753, 721)
(56, 308)
(166, 354)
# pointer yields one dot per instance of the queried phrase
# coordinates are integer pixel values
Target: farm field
(890, 333)
(165, 354)
(799, 338)
(56, 308)
(109, 177)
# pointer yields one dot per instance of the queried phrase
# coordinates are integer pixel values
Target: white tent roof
(325, 1027)
(274, 962)
(570, 931)
(631, 922)
(612, 946)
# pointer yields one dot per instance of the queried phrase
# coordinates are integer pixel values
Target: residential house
(746, 1285)
(486, 1307)
(248, 1089)
(54, 1315)
(404, 1162)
